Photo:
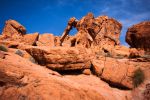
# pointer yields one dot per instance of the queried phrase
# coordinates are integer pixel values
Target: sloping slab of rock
(117, 73)
(22, 80)
(61, 58)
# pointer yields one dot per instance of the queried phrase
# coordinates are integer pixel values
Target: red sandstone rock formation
(13, 29)
(61, 58)
(46, 39)
(94, 51)
(21, 79)
(94, 31)
(138, 36)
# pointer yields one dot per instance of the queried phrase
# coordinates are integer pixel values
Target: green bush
(138, 77)
(18, 52)
(3, 48)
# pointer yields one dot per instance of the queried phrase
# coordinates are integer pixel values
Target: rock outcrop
(117, 73)
(46, 39)
(91, 65)
(13, 30)
(21, 79)
(61, 58)
(138, 36)
(93, 31)
(30, 39)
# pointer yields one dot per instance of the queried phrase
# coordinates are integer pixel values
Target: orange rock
(97, 66)
(121, 51)
(10, 44)
(21, 79)
(22, 53)
(57, 41)
(30, 39)
(138, 35)
(2, 55)
(134, 53)
(86, 71)
(61, 58)
(13, 30)
(118, 72)
(45, 39)
(93, 31)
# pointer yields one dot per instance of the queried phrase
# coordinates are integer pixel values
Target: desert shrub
(18, 52)
(138, 77)
(3, 48)
(32, 60)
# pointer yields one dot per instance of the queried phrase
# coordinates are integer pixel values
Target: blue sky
(51, 16)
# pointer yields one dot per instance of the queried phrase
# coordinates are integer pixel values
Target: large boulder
(61, 58)
(138, 36)
(13, 30)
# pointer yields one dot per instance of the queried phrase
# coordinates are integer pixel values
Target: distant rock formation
(138, 36)
(13, 29)
(93, 31)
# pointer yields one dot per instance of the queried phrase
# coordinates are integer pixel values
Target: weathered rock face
(97, 67)
(34, 82)
(13, 29)
(30, 39)
(45, 39)
(94, 31)
(138, 36)
(61, 58)
(23, 54)
(147, 92)
(117, 73)
(2, 55)
(21, 79)
(94, 50)
(14, 34)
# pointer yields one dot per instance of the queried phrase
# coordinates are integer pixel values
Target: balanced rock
(138, 36)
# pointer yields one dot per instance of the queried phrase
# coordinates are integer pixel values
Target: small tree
(3, 48)
(138, 77)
